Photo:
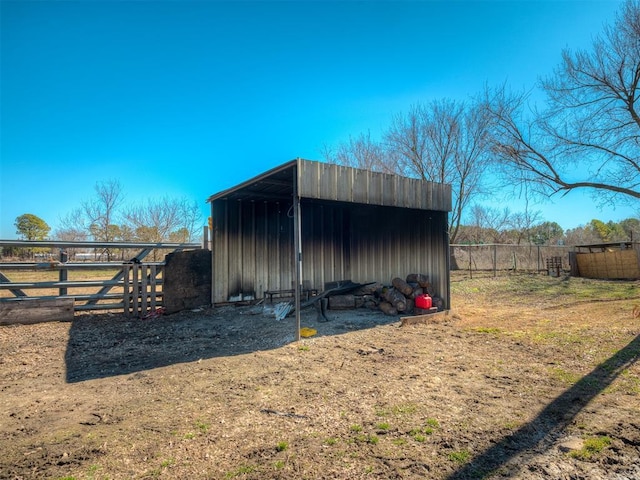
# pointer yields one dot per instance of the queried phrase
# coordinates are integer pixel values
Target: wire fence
(499, 259)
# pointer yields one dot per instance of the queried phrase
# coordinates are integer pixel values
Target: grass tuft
(461, 456)
(592, 446)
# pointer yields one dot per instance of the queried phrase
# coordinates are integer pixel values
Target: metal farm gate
(87, 282)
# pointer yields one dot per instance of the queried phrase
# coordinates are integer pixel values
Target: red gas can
(424, 301)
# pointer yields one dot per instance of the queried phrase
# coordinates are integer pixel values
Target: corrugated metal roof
(274, 184)
(324, 181)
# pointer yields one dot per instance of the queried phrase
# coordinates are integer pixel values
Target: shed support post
(214, 249)
(297, 253)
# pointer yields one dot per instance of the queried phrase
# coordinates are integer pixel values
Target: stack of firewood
(399, 298)
(394, 299)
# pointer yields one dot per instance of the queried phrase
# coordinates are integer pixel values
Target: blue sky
(187, 98)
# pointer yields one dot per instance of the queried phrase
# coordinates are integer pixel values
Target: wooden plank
(342, 302)
(30, 311)
(426, 319)
(126, 269)
(143, 289)
(152, 286)
(135, 283)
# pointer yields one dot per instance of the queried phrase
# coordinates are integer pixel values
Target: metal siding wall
(253, 248)
(325, 244)
(404, 241)
(360, 186)
(221, 251)
(363, 243)
(337, 183)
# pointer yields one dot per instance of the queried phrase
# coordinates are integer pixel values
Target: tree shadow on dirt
(539, 435)
(106, 345)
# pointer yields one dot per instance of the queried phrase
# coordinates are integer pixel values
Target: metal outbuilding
(305, 223)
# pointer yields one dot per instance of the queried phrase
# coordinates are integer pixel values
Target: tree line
(107, 218)
(501, 226)
(584, 136)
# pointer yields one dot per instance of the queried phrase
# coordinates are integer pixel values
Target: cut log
(417, 292)
(368, 289)
(397, 299)
(403, 287)
(411, 304)
(342, 302)
(419, 278)
(370, 302)
(29, 311)
(437, 302)
(388, 309)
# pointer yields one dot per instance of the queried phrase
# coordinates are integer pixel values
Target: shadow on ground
(540, 434)
(106, 345)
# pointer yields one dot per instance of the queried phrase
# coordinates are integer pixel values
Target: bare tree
(360, 152)
(490, 223)
(446, 142)
(72, 226)
(589, 134)
(581, 236)
(101, 211)
(162, 219)
(72, 229)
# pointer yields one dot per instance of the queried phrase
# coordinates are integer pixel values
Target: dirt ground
(529, 377)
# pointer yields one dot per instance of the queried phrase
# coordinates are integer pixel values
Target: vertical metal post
(63, 271)
(297, 241)
(213, 258)
(495, 259)
(205, 237)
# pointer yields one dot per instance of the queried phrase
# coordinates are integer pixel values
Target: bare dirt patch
(532, 377)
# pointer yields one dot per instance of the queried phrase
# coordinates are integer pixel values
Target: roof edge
(262, 176)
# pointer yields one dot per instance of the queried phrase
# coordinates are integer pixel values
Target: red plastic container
(424, 301)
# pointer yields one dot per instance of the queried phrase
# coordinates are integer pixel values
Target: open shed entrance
(304, 224)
